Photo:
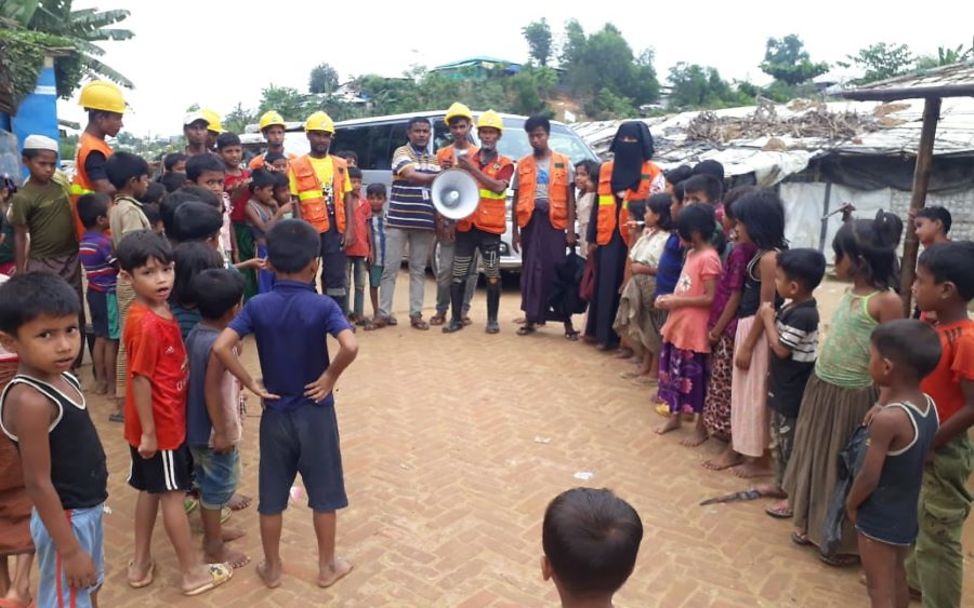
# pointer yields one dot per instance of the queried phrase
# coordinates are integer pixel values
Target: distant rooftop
(955, 80)
(480, 59)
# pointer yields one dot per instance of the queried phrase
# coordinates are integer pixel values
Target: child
(705, 188)
(173, 181)
(282, 192)
(586, 176)
(722, 326)
(760, 221)
(155, 416)
(189, 259)
(841, 391)
(8, 263)
(44, 412)
(174, 162)
(236, 186)
(683, 357)
(276, 161)
(882, 502)
(213, 425)
(154, 214)
(792, 336)
(932, 224)
(376, 195)
(154, 194)
(638, 322)
(262, 214)
(351, 158)
(358, 253)
(590, 539)
(668, 270)
(299, 429)
(98, 259)
(944, 286)
(208, 171)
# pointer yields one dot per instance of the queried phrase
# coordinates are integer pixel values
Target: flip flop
(225, 514)
(467, 320)
(111, 418)
(438, 319)
(190, 504)
(146, 580)
(571, 336)
(779, 513)
(419, 323)
(800, 539)
(645, 380)
(369, 325)
(219, 574)
(839, 561)
(392, 321)
(526, 330)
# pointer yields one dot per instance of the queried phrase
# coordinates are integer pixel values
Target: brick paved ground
(453, 446)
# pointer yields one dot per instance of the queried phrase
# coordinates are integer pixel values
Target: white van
(375, 139)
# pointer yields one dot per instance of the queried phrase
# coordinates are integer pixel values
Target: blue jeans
(216, 474)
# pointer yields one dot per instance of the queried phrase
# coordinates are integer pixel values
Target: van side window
(370, 143)
(441, 135)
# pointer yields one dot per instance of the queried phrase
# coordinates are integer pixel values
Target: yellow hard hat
(458, 110)
(491, 118)
(319, 121)
(102, 95)
(212, 121)
(271, 117)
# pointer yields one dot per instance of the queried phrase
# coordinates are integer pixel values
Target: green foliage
(696, 86)
(606, 105)
(880, 61)
(323, 79)
(538, 36)
(292, 104)
(22, 52)
(787, 60)
(238, 118)
(68, 147)
(18, 11)
(946, 56)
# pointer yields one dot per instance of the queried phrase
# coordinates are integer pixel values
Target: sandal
(437, 319)
(369, 325)
(644, 380)
(419, 323)
(116, 417)
(146, 580)
(800, 539)
(779, 510)
(526, 330)
(391, 320)
(467, 320)
(839, 561)
(571, 335)
(219, 574)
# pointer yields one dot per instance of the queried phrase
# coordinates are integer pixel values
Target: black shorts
(167, 471)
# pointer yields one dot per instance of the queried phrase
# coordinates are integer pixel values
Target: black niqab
(628, 157)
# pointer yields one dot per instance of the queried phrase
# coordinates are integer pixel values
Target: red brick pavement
(453, 445)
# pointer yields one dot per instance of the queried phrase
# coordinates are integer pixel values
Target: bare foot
(725, 460)
(270, 574)
(205, 577)
(672, 423)
(333, 572)
(239, 502)
(230, 534)
(748, 470)
(101, 388)
(140, 575)
(235, 559)
(698, 437)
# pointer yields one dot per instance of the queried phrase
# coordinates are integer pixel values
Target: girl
(841, 391)
(262, 213)
(683, 357)
(722, 325)
(586, 174)
(760, 220)
(190, 258)
(638, 322)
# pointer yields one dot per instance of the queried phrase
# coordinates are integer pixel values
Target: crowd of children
(714, 309)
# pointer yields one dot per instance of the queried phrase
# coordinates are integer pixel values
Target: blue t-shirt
(199, 344)
(290, 324)
(669, 267)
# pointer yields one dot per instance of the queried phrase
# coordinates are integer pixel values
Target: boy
(282, 191)
(590, 539)
(155, 415)
(376, 196)
(98, 259)
(43, 411)
(299, 430)
(174, 162)
(209, 172)
(358, 253)
(154, 215)
(236, 186)
(212, 409)
(944, 285)
(173, 181)
(882, 502)
(932, 224)
(275, 161)
(792, 335)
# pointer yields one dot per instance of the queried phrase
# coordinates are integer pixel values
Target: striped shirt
(378, 230)
(410, 205)
(98, 261)
(798, 332)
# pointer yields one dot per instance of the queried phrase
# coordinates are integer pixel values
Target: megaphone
(455, 194)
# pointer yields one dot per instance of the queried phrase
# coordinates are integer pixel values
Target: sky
(219, 52)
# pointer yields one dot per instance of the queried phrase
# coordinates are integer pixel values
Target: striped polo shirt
(410, 205)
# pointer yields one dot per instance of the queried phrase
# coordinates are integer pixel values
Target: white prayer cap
(40, 142)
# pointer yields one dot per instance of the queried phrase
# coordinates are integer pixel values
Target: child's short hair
(137, 248)
(709, 167)
(376, 190)
(227, 139)
(348, 155)
(261, 178)
(416, 120)
(952, 262)
(153, 194)
(173, 181)
(909, 342)
(805, 266)
(152, 213)
(191, 258)
(281, 181)
(217, 292)
(696, 218)
(679, 191)
(292, 245)
(660, 205)
(591, 538)
(271, 157)
(197, 165)
(172, 159)
(32, 153)
(196, 221)
(202, 195)
(29, 295)
(121, 167)
(706, 184)
(92, 206)
(678, 174)
(937, 214)
(591, 167)
(354, 173)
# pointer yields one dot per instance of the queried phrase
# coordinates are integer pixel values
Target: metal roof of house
(474, 60)
(955, 80)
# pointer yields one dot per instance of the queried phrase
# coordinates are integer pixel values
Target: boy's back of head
(590, 539)
(153, 194)
(951, 262)
(29, 295)
(292, 245)
(805, 266)
(217, 292)
(197, 165)
(173, 181)
(190, 259)
(709, 167)
(137, 248)
(91, 207)
(122, 167)
(195, 221)
(705, 184)
(911, 344)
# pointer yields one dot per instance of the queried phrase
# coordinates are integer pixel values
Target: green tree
(323, 79)
(945, 56)
(538, 35)
(787, 60)
(696, 86)
(880, 61)
(292, 104)
(238, 118)
(573, 44)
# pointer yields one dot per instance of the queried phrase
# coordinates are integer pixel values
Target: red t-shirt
(155, 350)
(956, 364)
(238, 206)
(363, 213)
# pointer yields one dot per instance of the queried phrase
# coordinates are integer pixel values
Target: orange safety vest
(81, 185)
(527, 178)
(257, 162)
(311, 195)
(491, 213)
(607, 201)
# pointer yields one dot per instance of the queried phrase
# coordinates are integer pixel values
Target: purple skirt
(683, 378)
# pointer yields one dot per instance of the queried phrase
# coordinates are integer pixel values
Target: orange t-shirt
(956, 364)
(155, 350)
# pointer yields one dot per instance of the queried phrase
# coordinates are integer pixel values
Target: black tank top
(78, 470)
(751, 295)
